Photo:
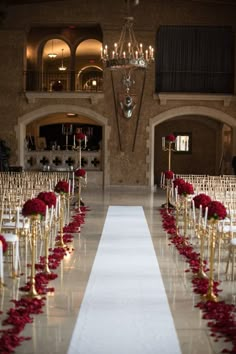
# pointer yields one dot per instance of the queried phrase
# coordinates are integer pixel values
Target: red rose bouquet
(184, 188)
(62, 187)
(49, 198)
(201, 199)
(34, 206)
(80, 136)
(216, 210)
(178, 181)
(80, 172)
(170, 138)
(169, 174)
(4, 243)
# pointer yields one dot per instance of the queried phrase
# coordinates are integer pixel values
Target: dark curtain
(195, 59)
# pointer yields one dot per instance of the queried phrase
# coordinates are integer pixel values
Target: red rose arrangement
(80, 136)
(170, 138)
(201, 199)
(169, 174)
(184, 188)
(216, 210)
(178, 181)
(62, 187)
(4, 243)
(49, 198)
(80, 172)
(34, 206)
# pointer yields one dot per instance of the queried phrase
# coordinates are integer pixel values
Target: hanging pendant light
(62, 67)
(52, 55)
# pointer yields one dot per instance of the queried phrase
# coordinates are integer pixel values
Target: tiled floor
(51, 331)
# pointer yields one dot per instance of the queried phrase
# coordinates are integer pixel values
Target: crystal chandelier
(127, 52)
(62, 67)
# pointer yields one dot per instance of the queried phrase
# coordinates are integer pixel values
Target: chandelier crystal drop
(127, 52)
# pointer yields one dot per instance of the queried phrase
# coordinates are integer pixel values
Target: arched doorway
(176, 113)
(28, 118)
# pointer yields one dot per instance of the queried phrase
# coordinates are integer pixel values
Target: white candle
(194, 213)
(163, 142)
(69, 183)
(85, 141)
(74, 140)
(161, 179)
(73, 183)
(200, 215)
(176, 194)
(205, 218)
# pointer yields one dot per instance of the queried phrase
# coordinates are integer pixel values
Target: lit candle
(141, 48)
(85, 141)
(124, 55)
(115, 46)
(129, 46)
(113, 54)
(136, 54)
(146, 54)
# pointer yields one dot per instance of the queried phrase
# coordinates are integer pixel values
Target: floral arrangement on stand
(221, 315)
(170, 138)
(183, 188)
(62, 187)
(4, 244)
(33, 207)
(169, 175)
(80, 172)
(80, 136)
(49, 198)
(216, 211)
(201, 199)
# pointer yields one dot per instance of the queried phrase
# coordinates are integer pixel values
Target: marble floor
(52, 330)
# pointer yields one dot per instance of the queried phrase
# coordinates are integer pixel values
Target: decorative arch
(177, 112)
(20, 129)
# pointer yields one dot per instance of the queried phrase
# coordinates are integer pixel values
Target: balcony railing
(62, 81)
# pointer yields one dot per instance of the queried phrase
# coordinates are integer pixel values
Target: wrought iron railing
(62, 81)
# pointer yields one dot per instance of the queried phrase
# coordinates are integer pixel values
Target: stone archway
(177, 112)
(20, 130)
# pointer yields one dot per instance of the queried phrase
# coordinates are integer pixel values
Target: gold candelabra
(60, 242)
(35, 220)
(167, 145)
(210, 296)
(201, 233)
(46, 266)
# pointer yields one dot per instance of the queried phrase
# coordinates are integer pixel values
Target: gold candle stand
(210, 296)
(169, 149)
(35, 220)
(46, 266)
(201, 234)
(60, 242)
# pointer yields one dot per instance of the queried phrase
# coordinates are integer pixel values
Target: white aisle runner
(125, 309)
